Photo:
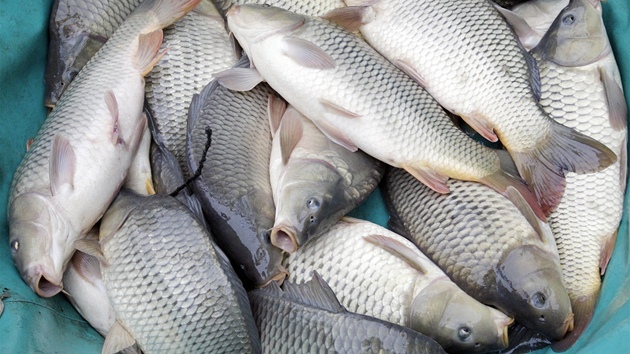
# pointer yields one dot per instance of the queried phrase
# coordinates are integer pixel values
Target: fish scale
(198, 46)
(161, 265)
(305, 7)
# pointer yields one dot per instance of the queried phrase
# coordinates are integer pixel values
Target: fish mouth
(43, 284)
(504, 338)
(279, 278)
(284, 238)
(568, 324)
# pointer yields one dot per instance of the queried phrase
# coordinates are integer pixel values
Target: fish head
(311, 201)
(70, 48)
(34, 224)
(253, 23)
(577, 37)
(457, 321)
(530, 281)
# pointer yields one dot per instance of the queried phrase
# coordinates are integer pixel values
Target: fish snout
(42, 282)
(284, 237)
(279, 278)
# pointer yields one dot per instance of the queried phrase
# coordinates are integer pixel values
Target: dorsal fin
(398, 249)
(315, 293)
(291, 131)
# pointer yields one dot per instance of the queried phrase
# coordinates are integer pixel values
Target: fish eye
(15, 245)
(312, 203)
(568, 19)
(539, 300)
(463, 333)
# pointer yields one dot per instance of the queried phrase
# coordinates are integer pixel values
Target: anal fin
(430, 178)
(62, 166)
(481, 126)
(117, 339)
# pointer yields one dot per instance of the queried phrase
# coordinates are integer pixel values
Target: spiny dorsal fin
(117, 339)
(398, 249)
(62, 165)
(291, 130)
(315, 293)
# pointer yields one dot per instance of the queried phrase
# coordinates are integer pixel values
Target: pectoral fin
(307, 54)
(239, 79)
(335, 135)
(275, 109)
(617, 108)
(290, 133)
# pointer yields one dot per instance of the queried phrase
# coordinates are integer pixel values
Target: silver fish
(358, 99)
(171, 288)
(83, 151)
(314, 181)
(378, 273)
(309, 318)
(77, 30)
(304, 7)
(468, 58)
(581, 89)
(486, 245)
(234, 187)
(198, 46)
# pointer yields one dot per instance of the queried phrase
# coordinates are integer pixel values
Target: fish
(77, 30)
(308, 317)
(314, 181)
(576, 61)
(172, 289)
(358, 99)
(495, 250)
(81, 154)
(139, 176)
(467, 57)
(378, 273)
(304, 7)
(234, 187)
(198, 46)
(510, 3)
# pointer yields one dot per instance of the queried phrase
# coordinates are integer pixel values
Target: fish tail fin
(565, 150)
(583, 309)
(501, 180)
(165, 12)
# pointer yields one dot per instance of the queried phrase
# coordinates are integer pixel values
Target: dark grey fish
(309, 318)
(234, 187)
(482, 241)
(77, 30)
(171, 287)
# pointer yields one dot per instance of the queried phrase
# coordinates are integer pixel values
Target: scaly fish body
(487, 247)
(370, 279)
(198, 46)
(538, 14)
(234, 187)
(583, 92)
(81, 154)
(304, 7)
(358, 98)
(466, 56)
(319, 182)
(171, 288)
(308, 318)
(78, 29)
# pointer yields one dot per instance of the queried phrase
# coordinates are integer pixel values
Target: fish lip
(505, 338)
(279, 278)
(42, 283)
(284, 237)
(568, 324)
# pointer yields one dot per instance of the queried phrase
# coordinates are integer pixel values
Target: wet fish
(509, 3)
(77, 30)
(171, 288)
(581, 89)
(139, 176)
(315, 181)
(358, 99)
(467, 57)
(485, 244)
(234, 187)
(81, 154)
(198, 46)
(308, 317)
(378, 273)
(304, 7)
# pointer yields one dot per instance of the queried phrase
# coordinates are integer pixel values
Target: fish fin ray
(565, 150)
(500, 181)
(617, 108)
(86, 265)
(482, 126)
(112, 106)
(315, 293)
(148, 53)
(239, 79)
(337, 109)
(291, 131)
(411, 72)
(275, 109)
(398, 249)
(429, 177)
(542, 230)
(607, 250)
(308, 54)
(62, 166)
(350, 18)
(164, 12)
(335, 135)
(117, 339)
(523, 30)
(91, 248)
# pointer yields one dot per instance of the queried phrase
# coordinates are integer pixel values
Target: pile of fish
(188, 191)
